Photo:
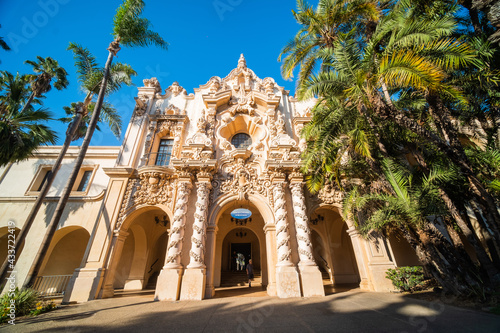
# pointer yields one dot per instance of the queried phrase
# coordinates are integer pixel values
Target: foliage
(407, 278)
(26, 302)
(21, 128)
(90, 78)
(131, 29)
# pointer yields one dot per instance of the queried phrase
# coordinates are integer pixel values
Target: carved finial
(242, 63)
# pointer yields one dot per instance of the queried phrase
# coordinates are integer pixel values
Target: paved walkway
(348, 311)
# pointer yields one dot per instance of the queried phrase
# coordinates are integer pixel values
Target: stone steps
(232, 279)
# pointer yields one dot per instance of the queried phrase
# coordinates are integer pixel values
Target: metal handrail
(51, 285)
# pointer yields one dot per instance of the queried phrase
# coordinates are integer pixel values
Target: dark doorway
(243, 248)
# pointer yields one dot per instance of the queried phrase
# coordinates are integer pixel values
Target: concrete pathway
(348, 311)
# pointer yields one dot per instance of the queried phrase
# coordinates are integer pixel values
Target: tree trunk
(28, 102)
(34, 270)
(477, 189)
(482, 256)
(443, 116)
(43, 192)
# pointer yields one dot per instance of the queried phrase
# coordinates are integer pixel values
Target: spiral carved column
(197, 253)
(301, 227)
(282, 235)
(174, 247)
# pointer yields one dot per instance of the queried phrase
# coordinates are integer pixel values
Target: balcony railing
(51, 285)
(159, 159)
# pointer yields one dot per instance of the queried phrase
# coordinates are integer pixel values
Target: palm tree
(20, 129)
(129, 29)
(90, 77)
(407, 58)
(47, 69)
(407, 212)
(320, 30)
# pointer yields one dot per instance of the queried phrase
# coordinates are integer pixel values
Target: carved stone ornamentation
(152, 83)
(176, 89)
(214, 84)
(154, 188)
(329, 194)
(141, 105)
(128, 201)
(301, 224)
(243, 180)
(174, 247)
(242, 104)
(282, 234)
(268, 84)
(278, 132)
(197, 252)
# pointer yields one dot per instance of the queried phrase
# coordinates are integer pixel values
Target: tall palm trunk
(54, 222)
(72, 128)
(28, 102)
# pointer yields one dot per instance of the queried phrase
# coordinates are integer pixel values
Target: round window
(241, 140)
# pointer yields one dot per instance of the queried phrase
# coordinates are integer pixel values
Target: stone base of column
(168, 284)
(83, 285)
(365, 285)
(311, 281)
(287, 282)
(133, 284)
(193, 284)
(378, 280)
(271, 289)
(209, 291)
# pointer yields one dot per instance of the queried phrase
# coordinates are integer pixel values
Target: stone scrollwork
(199, 226)
(141, 105)
(152, 83)
(329, 194)
(154, 188)
(282, 234)
(176, 89)
(128, 201)
(243, 180)
(301, 223)
(174, 246)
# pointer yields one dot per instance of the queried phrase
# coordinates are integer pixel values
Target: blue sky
(206, 38)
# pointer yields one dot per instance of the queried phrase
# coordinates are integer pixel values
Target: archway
(240, 241)
(333, 250)
(64, 255)
(247, 238)
(5, 235)
(138, 260)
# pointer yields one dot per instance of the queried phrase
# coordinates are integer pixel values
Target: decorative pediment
(175, 89)
(152, 83)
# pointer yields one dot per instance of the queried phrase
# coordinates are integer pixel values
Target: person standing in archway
(250, 273)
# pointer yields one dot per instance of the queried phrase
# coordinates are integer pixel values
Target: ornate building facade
(159, 216)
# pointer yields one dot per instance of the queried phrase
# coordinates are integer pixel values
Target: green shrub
(17, 303)
(406, 278)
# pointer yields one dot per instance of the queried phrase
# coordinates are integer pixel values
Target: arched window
(241, 140)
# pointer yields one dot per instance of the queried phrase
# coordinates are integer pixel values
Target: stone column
(210, 261)
(361, 259)
(310, 275)
(193, 282)
(169, 280)
(287, 278)
(109, 277)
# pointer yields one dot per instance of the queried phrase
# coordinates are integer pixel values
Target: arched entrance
(139, 253)
(242, 242)
(333, 250)
(250, 240)
(64, 255)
